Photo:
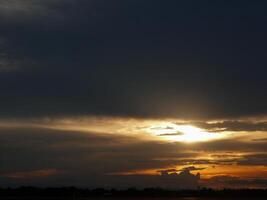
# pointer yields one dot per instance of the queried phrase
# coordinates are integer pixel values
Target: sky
(121, 93)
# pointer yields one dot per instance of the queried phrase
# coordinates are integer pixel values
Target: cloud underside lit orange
(126, 147)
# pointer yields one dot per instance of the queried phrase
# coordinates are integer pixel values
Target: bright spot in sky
(143, 129)
(182, 133)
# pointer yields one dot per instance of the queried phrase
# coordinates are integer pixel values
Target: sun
(182, 133)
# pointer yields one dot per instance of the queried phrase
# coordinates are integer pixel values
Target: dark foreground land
(71, 193)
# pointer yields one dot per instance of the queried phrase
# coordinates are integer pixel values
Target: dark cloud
(260, 140)
(171, 134)
(134, 58)
(259, 159)
(193, 60)
(233, 126)
(184, 179)
(186, 169)
(162, 128)
(192, 168)
(84, 157)
(57, 157)
(230, 145)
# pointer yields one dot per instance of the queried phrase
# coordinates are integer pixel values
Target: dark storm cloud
(134, 58)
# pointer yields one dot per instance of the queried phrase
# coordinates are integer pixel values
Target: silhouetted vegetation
(75, 193)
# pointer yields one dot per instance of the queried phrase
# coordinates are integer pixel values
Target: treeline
(72, 192)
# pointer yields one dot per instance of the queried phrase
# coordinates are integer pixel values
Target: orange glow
(235, 170)
(32, 174)
(209, 171)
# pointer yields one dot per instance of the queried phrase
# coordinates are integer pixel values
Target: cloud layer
(86, 152)
(189, 62)
(133, 58)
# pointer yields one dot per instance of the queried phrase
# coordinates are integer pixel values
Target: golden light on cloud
(163, 130)
(219, 149)
(183, 133)
(243, 171)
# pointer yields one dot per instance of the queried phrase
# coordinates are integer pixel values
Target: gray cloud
(88, 159)
(191, 168)
(30, 9)
(171, 134)
(79, 155)
(260, 140)
(259, 159)
(184, 179)
(179, 59)
(88, 155)
(91, 51)
(233, 126)
(231, 145)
